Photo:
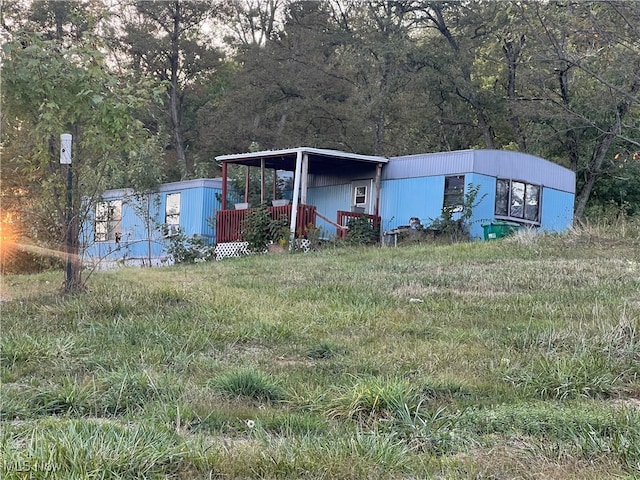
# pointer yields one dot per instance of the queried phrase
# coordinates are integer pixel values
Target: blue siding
(410, 197)
(411, 186)
(522, 166)
(493, 163)
(429, 164)
(557, 210)
(210, 205)
(198, 202)
(424, 198)
(483, 212)
(328, 200)
(136, 244)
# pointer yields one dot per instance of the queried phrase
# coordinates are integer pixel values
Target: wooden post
(274, 195)
(224, 185)
(246, 184)
(376, 208)
(304, 178)
(296, 198)
(262, 181)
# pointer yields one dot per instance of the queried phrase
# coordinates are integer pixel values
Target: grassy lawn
(518, 358)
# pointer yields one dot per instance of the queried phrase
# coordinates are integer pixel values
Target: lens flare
(7, 238)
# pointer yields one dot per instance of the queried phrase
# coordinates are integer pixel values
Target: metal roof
(167, 187)
(196, 183)
(320, 160)
(495, 163)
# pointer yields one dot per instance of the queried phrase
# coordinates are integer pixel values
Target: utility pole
(65, 159)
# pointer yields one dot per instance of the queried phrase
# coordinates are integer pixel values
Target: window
(108, 221)
(517, 199)
(454, 192)
(502, 197)
(360, 196)
(172, 213)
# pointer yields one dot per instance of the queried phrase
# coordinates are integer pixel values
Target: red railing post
(229, 222)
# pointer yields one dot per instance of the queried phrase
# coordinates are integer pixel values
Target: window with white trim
(454, 192)
(172, 213)
(108, 225)
(517, 199)
(360, 195)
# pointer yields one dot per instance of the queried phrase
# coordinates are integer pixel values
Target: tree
(285, 92)
(250, 22)
(589, 73)
(165, 40)
(463, 27)
(51, 86)
(381, 63)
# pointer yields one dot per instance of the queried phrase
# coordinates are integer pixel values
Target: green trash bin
(495, 230)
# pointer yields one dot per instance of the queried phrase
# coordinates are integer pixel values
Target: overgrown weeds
(513, 358)
(250, 383)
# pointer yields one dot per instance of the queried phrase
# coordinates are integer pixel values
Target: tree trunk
(176, 125)
(73, 276)
(379, 134)
(594, 169)
(175, 106)
(511, 53)
(466, 90)
(571, 140)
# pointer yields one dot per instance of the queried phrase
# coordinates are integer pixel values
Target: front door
(361, 192)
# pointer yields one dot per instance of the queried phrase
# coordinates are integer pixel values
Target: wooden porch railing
(345, 216)
(229, 222)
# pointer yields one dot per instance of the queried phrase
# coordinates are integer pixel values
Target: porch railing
(229, 222)
(344, 217)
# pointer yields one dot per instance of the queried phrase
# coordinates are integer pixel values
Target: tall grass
(517, 358)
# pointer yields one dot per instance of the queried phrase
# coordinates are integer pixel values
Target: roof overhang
(320, 160)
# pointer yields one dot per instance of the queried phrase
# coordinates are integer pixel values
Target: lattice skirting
(231, 249)
(239, 249)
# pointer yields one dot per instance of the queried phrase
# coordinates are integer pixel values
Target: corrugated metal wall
(495, 163)
(210, 205)
(340, 178)
(428, 164)
(557, 210)
(402, 199)
(521, 166)
(328, 201)
(198, 202)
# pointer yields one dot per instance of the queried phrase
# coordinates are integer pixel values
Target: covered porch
(305, 163)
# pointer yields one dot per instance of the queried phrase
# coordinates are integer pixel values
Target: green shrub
(428, 431)
(250, 383)
(454, 219)
(189, 249)
(77, 449)
(560, 378)
(371, 399)
(361, 231)
(259, 229)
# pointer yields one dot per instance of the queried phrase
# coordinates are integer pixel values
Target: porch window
(517, 199)
(172, 213)
(360, 196)
(454, 192)
(108, 226)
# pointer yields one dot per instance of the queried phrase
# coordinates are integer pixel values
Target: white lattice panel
(231, 249)
(240, 249)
